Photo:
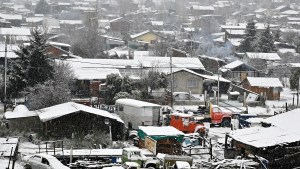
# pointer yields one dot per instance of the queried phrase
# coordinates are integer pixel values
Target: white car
(42, 161)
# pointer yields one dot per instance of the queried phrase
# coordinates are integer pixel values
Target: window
(45, 161)
(119, 107)
(176, 117)
(192, 83)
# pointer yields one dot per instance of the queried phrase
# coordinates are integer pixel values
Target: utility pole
(218, 84)
(169, 51)
(5, 72)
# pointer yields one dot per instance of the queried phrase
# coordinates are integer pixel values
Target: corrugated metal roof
(60, 110)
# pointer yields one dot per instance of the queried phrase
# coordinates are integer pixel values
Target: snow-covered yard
(4, 164)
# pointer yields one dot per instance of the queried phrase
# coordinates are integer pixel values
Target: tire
(225, 123)
(151, 166)
(27, 166)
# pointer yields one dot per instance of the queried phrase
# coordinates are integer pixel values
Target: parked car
(42, 161)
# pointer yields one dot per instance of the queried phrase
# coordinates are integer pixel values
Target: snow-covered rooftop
(235, 41)
(235, 32)
(116, 19)
(260, 10)
(63, 109)
(157, 23)
(221, 79)
(264, 56)
(288, 121)
(34, 19)
(160, 131)
(16, 31)
(139, 34)
(264, 82)
(264, 137)
(287, 50)
(10, 16)
(290, 12)
(295, 65)
(71, 22)
(59, 44)
(293, 18)
(136, 103)
(206, 8)
(94, 73)
(19, 112)
(231, 65)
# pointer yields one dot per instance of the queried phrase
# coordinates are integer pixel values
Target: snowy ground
(217, 134)
(4, 164)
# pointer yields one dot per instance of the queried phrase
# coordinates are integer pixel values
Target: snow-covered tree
(42, 7)
(114, 85)
(265, 42)
(294, 79)
(52, 92)
(152, 80)
(32, 65)
(86, 42)
(247, 44)
(277, 35)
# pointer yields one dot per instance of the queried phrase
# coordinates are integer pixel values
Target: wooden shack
(165, 139)
(270, 87)
(64, 119)
(278, 142)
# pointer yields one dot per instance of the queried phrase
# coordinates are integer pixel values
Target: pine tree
(294, 79)
(42, 7)
(246, 44)
(265, 42)
(277, 35)
(32, 66)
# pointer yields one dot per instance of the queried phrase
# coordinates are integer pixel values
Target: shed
(271, 87)
(165, 139)
(278, 143)
(85, 120)
(22, 118)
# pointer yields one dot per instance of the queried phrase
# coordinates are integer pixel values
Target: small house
(270, 87)
(146, 36)
(119, 25)
(57, 50)
(238, 71)
(14, 19)
(197, 10)
(185, 80)
(165, 139)
(260, 61)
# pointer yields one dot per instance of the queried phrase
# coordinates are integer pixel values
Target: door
(156, 116)
(35, 162)
(217, 115)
